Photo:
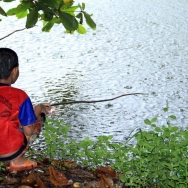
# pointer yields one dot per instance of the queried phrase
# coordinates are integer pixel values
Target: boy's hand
(46, 108)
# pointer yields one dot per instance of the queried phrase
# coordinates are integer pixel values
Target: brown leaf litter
(62, 175)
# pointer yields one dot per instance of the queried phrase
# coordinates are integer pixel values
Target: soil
(61, 174)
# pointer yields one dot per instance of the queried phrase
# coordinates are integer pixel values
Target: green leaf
(68, 21)
(21, 14)
(32, 18)
(20, 8)
(147, 122)
(83, 6)
(170, 183)
(157, 129)
(79, 15)
(50, 3)
(172, 117)
(2, 12)
(66, 5)
(89, 21)
(47, 17)
(23, 6)
(153, 125)
(123, 179)
(57, 20)
(12, 12)
(174, 129)
(71, 10)
(165, 109)
(81, 29)
(48, 13)
(153, 120)
(48, 26)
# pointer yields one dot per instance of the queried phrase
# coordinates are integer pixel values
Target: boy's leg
(40, 123)
(38, 129)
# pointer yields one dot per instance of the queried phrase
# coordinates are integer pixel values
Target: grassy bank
(159, 157)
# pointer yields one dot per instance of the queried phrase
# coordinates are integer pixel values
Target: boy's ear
(14, 75)
(14, 71)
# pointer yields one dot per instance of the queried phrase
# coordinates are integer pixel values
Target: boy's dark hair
(8, 61)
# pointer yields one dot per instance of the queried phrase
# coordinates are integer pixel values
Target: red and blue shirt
(15, 109)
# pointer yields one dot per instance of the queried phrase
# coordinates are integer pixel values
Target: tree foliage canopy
(51, 12)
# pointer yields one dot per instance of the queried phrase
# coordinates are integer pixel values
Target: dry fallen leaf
(33, 180)
(58, 178)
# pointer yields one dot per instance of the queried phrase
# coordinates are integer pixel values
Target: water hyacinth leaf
(81, 29)
(69, 22)
(89, 21)
(48, 26)
(32, 18)
(2, 12)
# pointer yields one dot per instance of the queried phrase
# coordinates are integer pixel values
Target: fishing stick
(95, 101)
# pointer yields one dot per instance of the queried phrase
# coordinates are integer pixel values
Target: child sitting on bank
(16, 110)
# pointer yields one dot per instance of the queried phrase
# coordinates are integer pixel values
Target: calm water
(139, 46)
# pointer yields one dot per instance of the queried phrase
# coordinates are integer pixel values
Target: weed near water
(159, 157)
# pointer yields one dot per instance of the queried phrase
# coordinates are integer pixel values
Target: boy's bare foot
(21, 163)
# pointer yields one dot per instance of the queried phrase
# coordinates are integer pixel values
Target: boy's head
(8, 61)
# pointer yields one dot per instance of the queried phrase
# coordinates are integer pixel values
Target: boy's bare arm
(38, 109)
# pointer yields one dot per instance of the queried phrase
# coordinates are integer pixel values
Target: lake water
(139, 46)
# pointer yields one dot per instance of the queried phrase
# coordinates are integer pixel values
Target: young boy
(16, 110)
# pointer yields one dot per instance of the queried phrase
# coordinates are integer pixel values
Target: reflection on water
(139, 46)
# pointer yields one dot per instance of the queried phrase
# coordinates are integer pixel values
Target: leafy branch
(51, 12)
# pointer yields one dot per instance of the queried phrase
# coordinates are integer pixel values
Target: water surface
(139, 46)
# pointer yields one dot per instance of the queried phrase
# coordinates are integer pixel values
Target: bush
(159, 157)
